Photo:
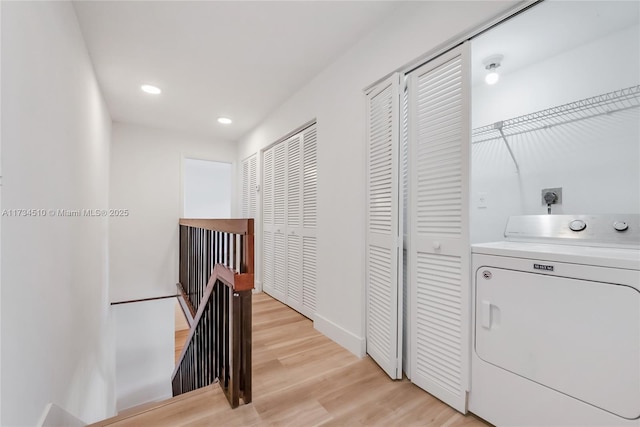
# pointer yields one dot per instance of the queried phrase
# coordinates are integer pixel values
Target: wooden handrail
(235, 226)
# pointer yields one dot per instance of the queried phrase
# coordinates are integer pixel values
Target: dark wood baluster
(194, 269)
(246, 347)
(241, 267)
(208, 253)
(235, 349)
(182, 255)
(219, 326)
(215, 248)
(200, 267)
(225, 332)
(230, 250)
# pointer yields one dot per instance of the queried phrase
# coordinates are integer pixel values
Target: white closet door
(404, 227)
(253, 185)
(309, 220)
(279, 216)
(384, 301)
(439, 247)
(294, 222)
(245, 188)
(290, 181)
(249, 181)
(267, 221)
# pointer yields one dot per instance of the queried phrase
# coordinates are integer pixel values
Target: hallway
(302, 378)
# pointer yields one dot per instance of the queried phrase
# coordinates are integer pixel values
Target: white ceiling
(242, 59)
(548, 29)
(239, 59)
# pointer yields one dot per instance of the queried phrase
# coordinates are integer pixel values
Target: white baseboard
(346, 339)
(257, 286)
(55, 416)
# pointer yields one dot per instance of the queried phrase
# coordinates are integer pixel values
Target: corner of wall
(346, 339)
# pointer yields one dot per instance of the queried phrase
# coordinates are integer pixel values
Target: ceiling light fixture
(151, 89)
(491, 64)
(225, 120)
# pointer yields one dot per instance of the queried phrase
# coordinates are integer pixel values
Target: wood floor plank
(302, 378)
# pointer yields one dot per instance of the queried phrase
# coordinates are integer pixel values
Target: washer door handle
(486, 314)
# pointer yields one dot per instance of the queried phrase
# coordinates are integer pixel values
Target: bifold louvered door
(267, 223)
(279, 216)
(439, 149)
(294, 222)
(383, 238)
(404, 230)
(309, 179)
(249, 182)
(290, 177)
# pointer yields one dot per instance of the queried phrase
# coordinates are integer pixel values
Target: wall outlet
(481, 200)
(557, 191)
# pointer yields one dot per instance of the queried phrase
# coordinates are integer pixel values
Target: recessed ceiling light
(225, 120)
(151, 89)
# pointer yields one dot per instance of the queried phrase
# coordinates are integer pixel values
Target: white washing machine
(556, 322)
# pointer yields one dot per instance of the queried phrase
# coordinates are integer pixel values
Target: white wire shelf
(607, 103)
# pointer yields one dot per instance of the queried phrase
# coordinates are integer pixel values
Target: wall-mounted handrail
(144, 299)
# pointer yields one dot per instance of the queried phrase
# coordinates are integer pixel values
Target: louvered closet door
(404, 226)
(267, 222)
(309, 220)
(279, 214)
(253, 183)
(439, 247)
(245, 188)
(384, 321)
(294, 222)
(249, 181)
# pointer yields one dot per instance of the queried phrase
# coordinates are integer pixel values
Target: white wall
(206, 189)
(595, 161)
(335, 97)
(56, 331)
(145, 345)
(146, 179)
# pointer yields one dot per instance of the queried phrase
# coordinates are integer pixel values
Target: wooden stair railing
(219, 342)
(205, 243)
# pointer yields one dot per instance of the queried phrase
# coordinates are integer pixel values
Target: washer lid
(597, 256)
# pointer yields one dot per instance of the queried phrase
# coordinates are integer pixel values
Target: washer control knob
(620, 225)
(577, 225)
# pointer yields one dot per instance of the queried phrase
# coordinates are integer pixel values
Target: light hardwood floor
(302, 378)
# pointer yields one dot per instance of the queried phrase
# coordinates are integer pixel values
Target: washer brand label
(543, 267)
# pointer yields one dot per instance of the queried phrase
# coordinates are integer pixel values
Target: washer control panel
(598, 230)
